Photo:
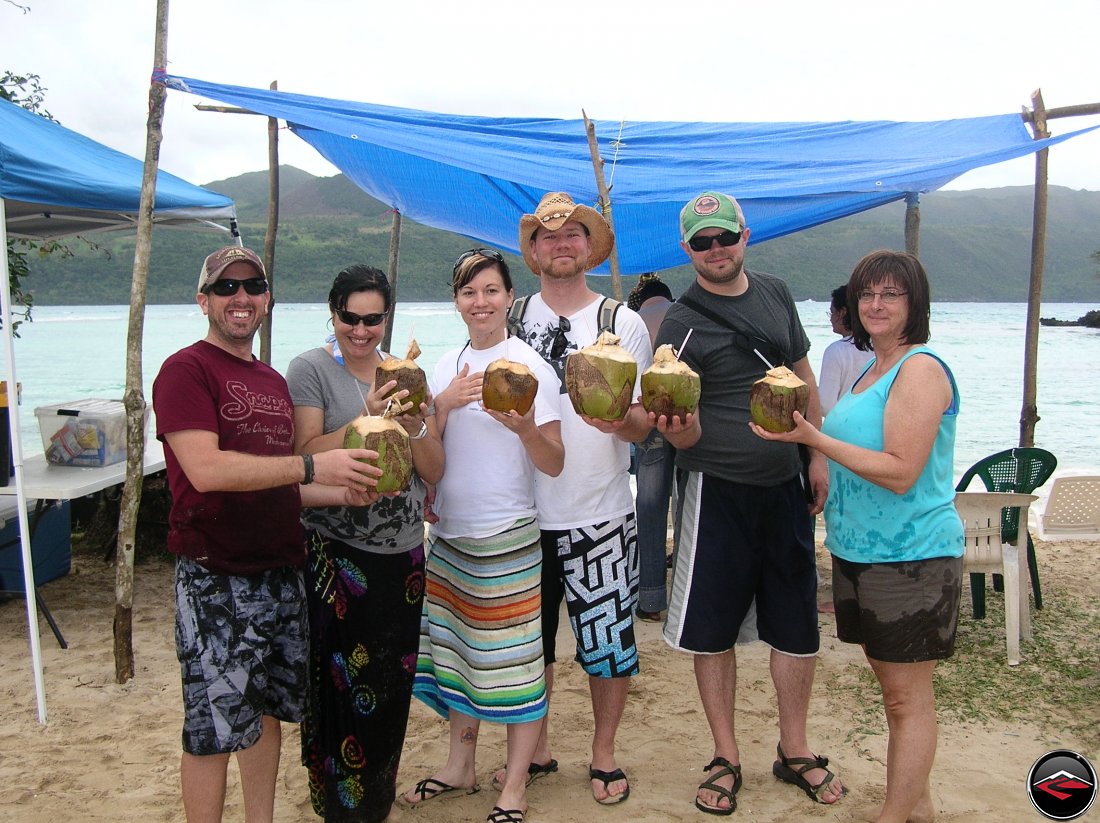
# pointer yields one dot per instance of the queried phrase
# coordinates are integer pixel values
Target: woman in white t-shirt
(480, 652)
(842, 363)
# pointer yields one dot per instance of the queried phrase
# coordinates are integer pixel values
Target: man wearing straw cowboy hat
(746, 531)
(586, 513)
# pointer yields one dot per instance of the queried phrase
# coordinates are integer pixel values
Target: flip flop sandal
(791, 770)
(711, 784)
(499, 815)
(430, 789)
(534, 772)
(607, 778)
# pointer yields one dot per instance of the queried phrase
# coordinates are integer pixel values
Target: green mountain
(974, 244)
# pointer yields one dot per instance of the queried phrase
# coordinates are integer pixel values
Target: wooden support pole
(134, 397)
(912, 223)
(1029, 412)
(272, 227)
(395, 254)
(605, 203)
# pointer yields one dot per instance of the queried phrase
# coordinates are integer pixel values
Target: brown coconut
(775, 397)
(670, 387)
(391, 441)
(508, 386)
(600, 379)
(408, 376)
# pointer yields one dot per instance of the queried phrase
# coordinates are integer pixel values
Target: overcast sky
(702, 61)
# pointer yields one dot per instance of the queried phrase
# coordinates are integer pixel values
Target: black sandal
(791, 770)
(711, 784)
(499, 815)
(607, 778)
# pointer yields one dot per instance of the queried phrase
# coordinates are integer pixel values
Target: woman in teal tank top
(896, 540)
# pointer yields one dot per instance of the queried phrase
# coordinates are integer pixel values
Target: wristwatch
(420, 435)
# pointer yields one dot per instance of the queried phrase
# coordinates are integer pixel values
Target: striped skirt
(481, 627)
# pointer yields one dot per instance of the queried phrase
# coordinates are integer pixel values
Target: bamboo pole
(134, 396)
(395, 253)
(605, 203)
(272, 228)
(1029, 412)
(912, 223)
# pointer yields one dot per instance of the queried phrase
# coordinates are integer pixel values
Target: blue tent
(477, 175)
(55, 182)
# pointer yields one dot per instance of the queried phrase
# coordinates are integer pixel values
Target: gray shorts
(899, 612)
(243, 647)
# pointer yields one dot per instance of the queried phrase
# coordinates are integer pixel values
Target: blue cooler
(51, 545)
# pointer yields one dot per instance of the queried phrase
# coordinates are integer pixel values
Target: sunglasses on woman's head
(492, 254)
(227, 288)
(725, 239)
(350, 318)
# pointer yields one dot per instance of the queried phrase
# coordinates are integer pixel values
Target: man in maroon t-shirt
(226, 421)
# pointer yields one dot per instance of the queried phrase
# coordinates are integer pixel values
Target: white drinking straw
(762, 357)
(363, 396)
(682, 345)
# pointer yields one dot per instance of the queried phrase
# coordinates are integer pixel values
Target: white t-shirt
(594, 486)
(841, 365)
(488, 480)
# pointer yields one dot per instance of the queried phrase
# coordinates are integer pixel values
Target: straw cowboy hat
(554, 211)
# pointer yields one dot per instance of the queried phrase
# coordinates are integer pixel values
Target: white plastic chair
(980, 513)
(1073, 508)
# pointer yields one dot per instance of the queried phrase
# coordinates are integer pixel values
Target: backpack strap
(515, 316)
(608, 310)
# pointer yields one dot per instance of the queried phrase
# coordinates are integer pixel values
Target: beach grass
(1056, 685)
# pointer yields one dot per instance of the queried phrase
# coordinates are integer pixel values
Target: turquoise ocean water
(72, 352)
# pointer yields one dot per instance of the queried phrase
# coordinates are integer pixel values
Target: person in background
(227, 424)
(589, 537)
(480, 652)
(842, 361)
(895, 537)
(365, 576)
(655, 466)
(746, 533)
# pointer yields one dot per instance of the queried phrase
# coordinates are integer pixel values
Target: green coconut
(391, 441)
(508, 386)
(775, 397)
(408, 376)
(670, 387)
(600, 379)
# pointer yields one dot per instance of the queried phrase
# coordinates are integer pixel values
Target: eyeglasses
(725, 239)
(492, 254)
(350, 318)
(561, 342)
(887, 296)
(228, 288)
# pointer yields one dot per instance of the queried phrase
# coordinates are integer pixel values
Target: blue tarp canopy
(477, 175)
(55, 182)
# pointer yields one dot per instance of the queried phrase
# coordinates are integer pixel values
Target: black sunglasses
(561, 342)
(228, 288)
(492, 254)
(725, 239)
(350, 318)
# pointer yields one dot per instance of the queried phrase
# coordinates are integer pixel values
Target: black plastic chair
(1013, 470)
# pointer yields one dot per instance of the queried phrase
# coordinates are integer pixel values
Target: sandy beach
(111, 752)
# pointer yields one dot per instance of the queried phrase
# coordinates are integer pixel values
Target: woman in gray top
(365, 576)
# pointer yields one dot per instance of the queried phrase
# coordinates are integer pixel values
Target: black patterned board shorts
(899, 612)
(243, 647)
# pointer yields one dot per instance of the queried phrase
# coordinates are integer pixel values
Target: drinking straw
(762, 357)
(366, 410)
(682, 345)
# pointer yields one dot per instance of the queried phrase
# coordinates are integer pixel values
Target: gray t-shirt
(727, 369)
(393, 524)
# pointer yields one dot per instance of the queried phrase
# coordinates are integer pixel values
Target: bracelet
(420, 435)
(307, 464)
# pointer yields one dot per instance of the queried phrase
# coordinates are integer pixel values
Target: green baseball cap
(710, 210)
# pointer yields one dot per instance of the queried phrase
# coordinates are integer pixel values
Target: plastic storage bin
(89, 432)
